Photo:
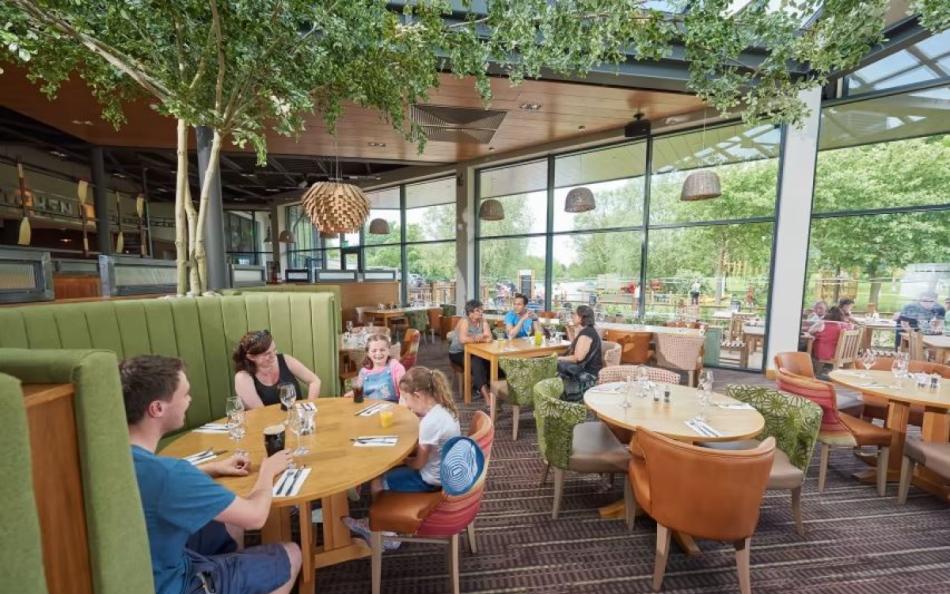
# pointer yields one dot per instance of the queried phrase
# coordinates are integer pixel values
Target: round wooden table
(670, 419)
(336, 466)
(900, 396)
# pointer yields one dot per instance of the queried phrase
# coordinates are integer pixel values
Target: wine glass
(288, 395)
(233, 403)
(627, 389)
(237, 429)
(868, 359)
(298, 425)
(896, 369)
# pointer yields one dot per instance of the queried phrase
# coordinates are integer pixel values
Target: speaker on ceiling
(638, 128)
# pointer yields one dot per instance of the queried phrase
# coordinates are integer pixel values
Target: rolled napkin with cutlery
(735, 405)
(374, 408)
(290, 482)
(212, 428)
(702, 428)
(202, 457)
(375, 441)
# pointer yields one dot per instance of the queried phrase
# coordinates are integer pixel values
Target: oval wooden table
(336, 466)
(669, 419)
(900, 395)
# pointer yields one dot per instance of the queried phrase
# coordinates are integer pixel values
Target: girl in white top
(426, 392)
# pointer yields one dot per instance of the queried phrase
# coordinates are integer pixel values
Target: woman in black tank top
(260, 370)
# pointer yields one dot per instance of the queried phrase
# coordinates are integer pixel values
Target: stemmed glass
(705, 394)
(868, 359)
(627, 389)
(297, 425)
(288, 395)
(237, 429)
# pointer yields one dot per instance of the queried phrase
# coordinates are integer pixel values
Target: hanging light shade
(491, 210)
(579, 200)
(379, 227)
(286, 237)
(328, 234)
(701, 185)
(336, 208)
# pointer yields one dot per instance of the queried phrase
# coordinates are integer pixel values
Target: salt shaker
(666, 395)
(656, 393)
(934, 381)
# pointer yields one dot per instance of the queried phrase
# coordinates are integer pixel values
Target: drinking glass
(298, 426)
(237, 429)
(288, 395)
(896, 370)
(234, 403)
(706, 377)
(349, 325)
(868, 359)
(627, 389)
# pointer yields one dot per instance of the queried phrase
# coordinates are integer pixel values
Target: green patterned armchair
(794, 422)
(567, 441)
(418, 320)
(521, 374)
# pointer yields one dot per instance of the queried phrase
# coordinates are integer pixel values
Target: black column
(101, 202)
(214, 231)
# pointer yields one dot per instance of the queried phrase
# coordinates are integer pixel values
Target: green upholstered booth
(203, 331)
(118, 542)
(302, 288)
(21, 565)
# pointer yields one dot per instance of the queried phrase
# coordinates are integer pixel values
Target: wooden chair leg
(629, 504)
(454, 563)
(797, 510)
(492, 406)
(742, 565)
(544, 474)
(376, 564)
(558, 491)
(515, 417)
(472, 546)
(662, 554)
(883, 455)
(907, 472)
(823, 467)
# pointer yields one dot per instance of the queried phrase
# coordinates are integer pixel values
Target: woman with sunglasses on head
(260, 370)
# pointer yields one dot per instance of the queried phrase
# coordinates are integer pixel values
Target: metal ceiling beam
(273, 162)
(230, 164)
(900, 35)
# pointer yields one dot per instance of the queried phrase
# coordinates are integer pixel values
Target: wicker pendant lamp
(491, 210)
(703, 184)
(286, 236)
(579, 200)
(336, 207)
(379, 227)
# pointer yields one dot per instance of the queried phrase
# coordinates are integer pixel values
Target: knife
(293, 482)
(369, 408)
(283, 481)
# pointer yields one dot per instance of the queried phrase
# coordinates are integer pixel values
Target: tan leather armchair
(931, 454)
(795, 362)
(711, 494)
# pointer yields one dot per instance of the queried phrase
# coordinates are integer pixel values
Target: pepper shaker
(666, 395)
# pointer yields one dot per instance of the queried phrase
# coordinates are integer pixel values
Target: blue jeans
(407, 480)
(257, 570)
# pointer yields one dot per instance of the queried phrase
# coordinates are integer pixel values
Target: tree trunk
(201, 256)
(194, 280)
(720, 274)
(181, 221)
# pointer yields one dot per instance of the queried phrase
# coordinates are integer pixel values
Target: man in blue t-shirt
(196, 526)
(518, 322)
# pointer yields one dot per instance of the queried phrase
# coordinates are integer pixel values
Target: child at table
(380, 373)
(426, 392)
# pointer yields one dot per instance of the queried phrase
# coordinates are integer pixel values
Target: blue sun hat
(462, 465)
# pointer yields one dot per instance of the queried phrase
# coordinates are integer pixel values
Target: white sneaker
(361, 527)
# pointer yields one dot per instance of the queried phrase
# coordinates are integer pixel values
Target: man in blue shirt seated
(196, 526)
(518, 322)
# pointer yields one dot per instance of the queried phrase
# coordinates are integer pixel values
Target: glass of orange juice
(386, 418)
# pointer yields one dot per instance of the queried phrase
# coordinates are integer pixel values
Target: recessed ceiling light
(273, 189)
(530, 106)
(377, 144)
(82, 122)
(119, 175)
(247, 175)
(59, 154)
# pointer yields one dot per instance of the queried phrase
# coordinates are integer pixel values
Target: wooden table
(900, 396)
(620, 327)
(755, 336)
(939, 344)
(871, 326)
(670, 420)
(495, 318)
(492, 351)
(336, 465)
(387, 315)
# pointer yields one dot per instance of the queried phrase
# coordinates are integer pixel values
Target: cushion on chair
(402, 512)
(866, 434)
(933, 455)
(596, 449)
(850, 403)
(784, 474)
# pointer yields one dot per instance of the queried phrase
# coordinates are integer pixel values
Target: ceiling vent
(457, 124)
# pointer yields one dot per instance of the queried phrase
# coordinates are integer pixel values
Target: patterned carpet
(856, 542)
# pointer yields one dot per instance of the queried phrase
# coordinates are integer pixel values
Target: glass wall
(247, 236)
(430, 240)
(880, 230)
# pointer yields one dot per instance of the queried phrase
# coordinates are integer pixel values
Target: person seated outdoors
(519, 322)
(918, 315)
(845, 304)
(826, 333)
(260, 370)
(196, 526)
(473, 327)
(584, 359)
(380, 373)
(428, 395)
(818, 312)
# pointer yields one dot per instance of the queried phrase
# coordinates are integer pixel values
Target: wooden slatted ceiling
(565, 107)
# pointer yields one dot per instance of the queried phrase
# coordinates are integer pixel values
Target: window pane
(524, 213)
(383, 204)
(333, 260)
(299, 224)
(901, 173)
(602, 268)
(744, 159)
(382, 258)
(523, 178)
(431, 272)
(886, 260)
(507, 266)
(619, 203)
(628, 160)
(925, 61)
(731, 264)
(430, 210)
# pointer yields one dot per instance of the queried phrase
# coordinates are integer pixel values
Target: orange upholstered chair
(435, 323)
(635, 346)
(410, 347)
(667, 475)
(436, 518)
(838, 429)
(795, 362)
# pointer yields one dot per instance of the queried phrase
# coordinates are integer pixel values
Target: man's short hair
(145, 379)
(521, 296)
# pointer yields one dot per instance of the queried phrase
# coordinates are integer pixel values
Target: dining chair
(635, 346)
(361, 317)
(794, 422)
(435, 323)
(846, 350)
(915, 346)
(932, 455)
(706, 493)
(437, 517)
(619, 373)
(568, 442)
(611, 352)
(521, 374)
(795, 362)
(838, 429)
(680, 352)
(410, 347)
